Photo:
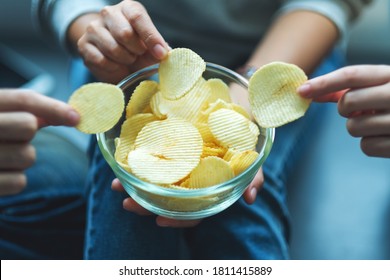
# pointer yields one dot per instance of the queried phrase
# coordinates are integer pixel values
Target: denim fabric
(47, 219)
(258, 231)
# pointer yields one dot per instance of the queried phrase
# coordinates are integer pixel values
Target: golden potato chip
(166, 151)
(212, 149)
(233, 130)
(219, 90)
(100, 106)
(140, 99)
(129, 131)
(241, 161)
(179, 72)
(220, 104)
(229, 154)
(187, 107)
(273, 94)
(205, 132)
(210, 171)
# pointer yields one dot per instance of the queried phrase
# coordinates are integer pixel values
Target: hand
(121, 40)
(363, 96)
(129, 204)
(22, 113)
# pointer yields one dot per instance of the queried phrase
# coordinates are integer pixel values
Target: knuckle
(367, 147)
(28, 154)
(349, 74)
(353, 128)
(137, 11)
(124, 34)
(19, 182)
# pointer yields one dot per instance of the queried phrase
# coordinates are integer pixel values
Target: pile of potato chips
(184, 131)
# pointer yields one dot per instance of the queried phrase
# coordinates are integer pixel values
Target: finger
(348, 77)
(100, 37)
(129, 204)
(250, 193)
(122, 31)
(116, 185)
(12, 182)
(17, 126)
(372, 98)
(16, 156)
(376, 146)
(148, 33)
(333, 97)
(51, 111)
(369, 125)
(167, 222)
(102, 67)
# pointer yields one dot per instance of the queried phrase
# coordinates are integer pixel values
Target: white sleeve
(341, 12)
(53, 17)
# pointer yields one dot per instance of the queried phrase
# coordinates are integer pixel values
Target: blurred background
(339, 198)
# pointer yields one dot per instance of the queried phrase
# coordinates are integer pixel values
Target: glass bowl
(178, 203)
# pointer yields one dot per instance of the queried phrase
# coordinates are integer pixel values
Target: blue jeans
(258, 231)
(47, 219)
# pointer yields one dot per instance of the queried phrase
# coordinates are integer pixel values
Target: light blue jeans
(258, 231)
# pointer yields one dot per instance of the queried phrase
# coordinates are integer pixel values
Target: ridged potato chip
(210, 171)
(219, 90)
(187, 107)
(241, 161)
(273, 94)
(233, 130)
(179, 72)
(100, 106)
(166, 151)
(140, 99)
(129, 132)
(212, 149)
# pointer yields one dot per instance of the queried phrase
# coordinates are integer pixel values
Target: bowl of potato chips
(183, 148)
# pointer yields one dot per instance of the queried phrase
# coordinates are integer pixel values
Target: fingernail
(304, 90)
(73, 117)
(159, 51)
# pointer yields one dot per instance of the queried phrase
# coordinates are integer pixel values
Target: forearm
(299, 37)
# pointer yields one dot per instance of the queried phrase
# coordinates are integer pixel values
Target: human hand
(131, 205)
(363, 96)
(121, 40)
(22, 113)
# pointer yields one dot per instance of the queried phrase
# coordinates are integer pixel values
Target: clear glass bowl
(177, 203)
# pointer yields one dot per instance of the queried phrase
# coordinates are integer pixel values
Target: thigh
(112, 232)
(46, 220)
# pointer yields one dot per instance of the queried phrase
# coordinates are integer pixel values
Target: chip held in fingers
(179, 72)
(100, 106)
(273, 94)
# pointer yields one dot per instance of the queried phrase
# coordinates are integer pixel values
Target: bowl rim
(189, 193)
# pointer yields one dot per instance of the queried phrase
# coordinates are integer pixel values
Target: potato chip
(179, 72)
(219, 104)
(166, 151)
(212, 149)
(129, 131)
(187, 107)
(273, 94)
(205, 132)
(100, 106)
(219, 90)
(241, 161)
(232, 130)
(210, 171)
(140, 99)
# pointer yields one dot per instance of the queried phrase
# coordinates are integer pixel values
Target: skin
(22, 113)
(122, 39)
(363, 96)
